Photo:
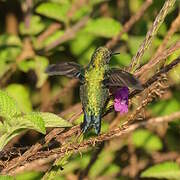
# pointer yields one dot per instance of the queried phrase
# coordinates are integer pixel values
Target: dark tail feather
(86, 123)
(91, 120)
(97, 124)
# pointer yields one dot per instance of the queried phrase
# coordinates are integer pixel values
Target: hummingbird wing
(69, 69)
(119, 78)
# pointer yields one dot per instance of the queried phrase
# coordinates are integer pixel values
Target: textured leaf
(7, 136)
(21, 95)
(52, 120)
(166, 170)
(105, 27)
(145, 139)
(35, 27)
(32, 121)
(52, 10)
(8, 106)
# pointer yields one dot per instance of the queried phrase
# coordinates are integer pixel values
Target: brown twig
(174, 27)
(154, 78)
(50, 30)
(156, 60)
(111, 43)
(150, 34)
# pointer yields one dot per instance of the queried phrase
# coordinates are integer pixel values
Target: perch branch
(43, 158)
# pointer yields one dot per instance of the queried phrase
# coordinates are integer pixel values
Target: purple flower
(121, 100)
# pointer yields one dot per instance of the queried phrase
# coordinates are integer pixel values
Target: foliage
(39, 110)
(166, 170)
(16, 121)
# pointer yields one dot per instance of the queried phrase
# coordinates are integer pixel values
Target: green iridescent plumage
(93, 92)
(96, 79)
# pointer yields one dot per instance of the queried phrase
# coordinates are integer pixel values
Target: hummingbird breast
(93, 93)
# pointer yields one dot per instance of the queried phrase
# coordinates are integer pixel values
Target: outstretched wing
(120, 78)
(69, 69)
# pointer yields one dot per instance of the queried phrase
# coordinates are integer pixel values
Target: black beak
(114, 54)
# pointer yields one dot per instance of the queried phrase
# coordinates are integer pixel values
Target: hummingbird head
(101, 56)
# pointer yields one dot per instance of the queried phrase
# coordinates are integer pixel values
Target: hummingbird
(96, 79)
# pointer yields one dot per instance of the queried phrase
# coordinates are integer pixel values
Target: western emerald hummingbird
(96, 79)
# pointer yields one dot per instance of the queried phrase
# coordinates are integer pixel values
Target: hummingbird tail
(86, 123)
(91, 120)
(97, 124)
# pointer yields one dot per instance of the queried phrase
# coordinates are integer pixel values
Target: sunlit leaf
(41, 64)
(52, 120)
(166, 170)
(35, 27)
(31, 121)
(8, 106)
(9, 40)
(6, 177)
(29, 175)
(147, 140)
(21, 94)
(105, 27)
(52, 10)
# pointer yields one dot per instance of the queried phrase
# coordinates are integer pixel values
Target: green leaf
(81, 12)
(52, 120)
(26, 65)
(50, 39)
(7, 136)
(8, 56)
(21, 95)
(165, 107)
(55, 11)
(41, 64)
(83, 46)
(104, 27)
(10, 40)
(38, 64)
(6, 177)
(123, 59)
(29, 176)
(8, 106)
(31, 121)
(166, 170)
(145, 139)
(35, 27)
(2, 128)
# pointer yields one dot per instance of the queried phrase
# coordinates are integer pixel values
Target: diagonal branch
(150, 34)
